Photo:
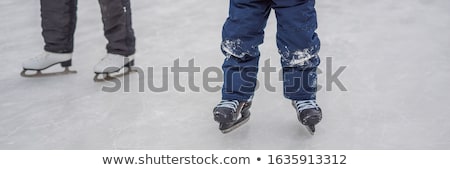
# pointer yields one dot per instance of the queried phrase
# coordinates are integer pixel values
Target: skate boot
(308, 113)
(113, 63)
(46, 60)
(231, 114)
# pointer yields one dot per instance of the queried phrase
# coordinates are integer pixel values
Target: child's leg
(298, 45)
(116, 16)
(58, 24)
(242, 33)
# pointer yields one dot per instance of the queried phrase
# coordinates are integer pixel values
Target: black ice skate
(47, 60)
(231, 114)
(308, 113)
(113, 66)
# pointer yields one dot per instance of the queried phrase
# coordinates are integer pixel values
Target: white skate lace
(305, 104)
(232, 104)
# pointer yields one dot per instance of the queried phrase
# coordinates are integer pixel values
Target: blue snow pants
(297, 43)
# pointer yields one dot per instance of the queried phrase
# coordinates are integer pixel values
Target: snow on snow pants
(59, 20)
(297, 42)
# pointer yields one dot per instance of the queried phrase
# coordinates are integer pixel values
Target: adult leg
(58, 24)
(116, 17)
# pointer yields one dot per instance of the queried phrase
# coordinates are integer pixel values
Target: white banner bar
(217, 159)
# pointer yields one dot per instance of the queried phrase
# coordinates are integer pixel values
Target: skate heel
(245, 113)
(130, 64)
(67, 63)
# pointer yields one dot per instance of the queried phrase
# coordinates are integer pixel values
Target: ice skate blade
(238, 124)
(108, 76)
(311, 129)
(40, 74)
(310, 123)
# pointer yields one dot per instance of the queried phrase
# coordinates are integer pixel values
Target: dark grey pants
(59, 21)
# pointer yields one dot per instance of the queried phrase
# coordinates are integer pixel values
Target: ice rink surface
(397, 77)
